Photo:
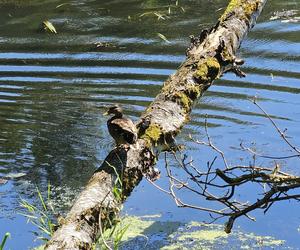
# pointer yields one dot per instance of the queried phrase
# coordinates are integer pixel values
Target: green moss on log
(247, 8)
(207, 70)
(167, 87)
(194, 91)
(152, 134)
(226, 56)
(250, 8)
(231, 6)
(184, 100)
(130, 179)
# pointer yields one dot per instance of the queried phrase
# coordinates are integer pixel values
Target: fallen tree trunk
(208, 57)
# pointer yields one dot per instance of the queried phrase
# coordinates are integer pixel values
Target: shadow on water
(54, 89)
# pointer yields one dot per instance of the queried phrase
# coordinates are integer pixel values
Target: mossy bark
(214, 53)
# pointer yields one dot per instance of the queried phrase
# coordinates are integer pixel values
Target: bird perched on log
(121, 128)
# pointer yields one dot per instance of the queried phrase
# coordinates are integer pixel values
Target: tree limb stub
(208, 57)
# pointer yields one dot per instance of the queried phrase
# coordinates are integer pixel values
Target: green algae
(143, 227)
(42, 247)
(150, 233)
(207, 235)
(174, 247)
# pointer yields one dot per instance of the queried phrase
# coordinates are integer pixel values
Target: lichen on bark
(247, 8)
(207, 70)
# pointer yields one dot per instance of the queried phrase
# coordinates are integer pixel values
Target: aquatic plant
(42, 217)
(6, 236)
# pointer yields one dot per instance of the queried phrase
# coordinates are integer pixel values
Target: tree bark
(208, 57)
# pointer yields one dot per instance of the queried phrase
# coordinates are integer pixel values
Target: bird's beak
(106, 113)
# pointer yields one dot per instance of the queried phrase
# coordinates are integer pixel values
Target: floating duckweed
(174, 247)
(207, 235)
(155, 234)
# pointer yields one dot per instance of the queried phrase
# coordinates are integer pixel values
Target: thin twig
(277, 128)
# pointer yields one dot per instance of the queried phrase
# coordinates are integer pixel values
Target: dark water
(53, 89)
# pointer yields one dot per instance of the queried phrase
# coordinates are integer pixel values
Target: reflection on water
(53, 90)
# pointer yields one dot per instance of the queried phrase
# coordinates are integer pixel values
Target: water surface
(54, 87)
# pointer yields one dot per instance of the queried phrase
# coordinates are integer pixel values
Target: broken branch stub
(207, 59)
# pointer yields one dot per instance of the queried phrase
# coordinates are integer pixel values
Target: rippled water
(54, 87)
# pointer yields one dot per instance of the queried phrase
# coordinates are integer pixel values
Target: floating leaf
(49, 27)
(163, 37)
(104, 45)
(146, 13)
(60, 5)
(14, 175)
(159, 16)
(285, 16)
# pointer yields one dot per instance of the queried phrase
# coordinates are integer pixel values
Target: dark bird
(121, 128)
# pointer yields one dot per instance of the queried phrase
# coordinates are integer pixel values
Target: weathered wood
(209, 56)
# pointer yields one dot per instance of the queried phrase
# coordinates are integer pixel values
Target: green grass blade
(48, 192)
(4, 241)
(41, 199)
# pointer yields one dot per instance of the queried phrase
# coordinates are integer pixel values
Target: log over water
(208, 57)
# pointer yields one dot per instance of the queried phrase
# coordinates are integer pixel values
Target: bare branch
(221, 185)
(281, 133)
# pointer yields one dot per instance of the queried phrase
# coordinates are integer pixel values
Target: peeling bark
(208, 57)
